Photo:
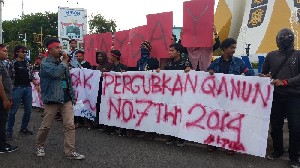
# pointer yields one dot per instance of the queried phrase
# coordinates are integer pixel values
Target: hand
(263, 75)
(65, 57)
(123, 70)
(277, 82)
(103, 70)
(187, 69)
(157, 70)
(96, 49)
(211, 72)
(6, 104)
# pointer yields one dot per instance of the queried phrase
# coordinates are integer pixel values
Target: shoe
(40, 152)
(76, 156)
(274, 155)
(26, 131)
(8, 148)
(8, 137)
(170, 142)
(210, 148)
(230, 152)
(295, 164)
(180, 143)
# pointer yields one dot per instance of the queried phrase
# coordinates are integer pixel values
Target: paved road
(103, 151)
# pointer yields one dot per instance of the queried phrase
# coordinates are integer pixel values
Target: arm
(212, 66)
(266, 65)
(245, 70)
(6, 102)
(52, 70)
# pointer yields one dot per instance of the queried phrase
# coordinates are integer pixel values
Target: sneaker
(8, 148)
(274, 155)
(40, 152)
(295, 164)
(26, 131)
(8, 137)
(76, 156)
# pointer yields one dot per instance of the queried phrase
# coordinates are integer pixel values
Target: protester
(81, 121)
(57, 95)
(177, 63)
(104, 66)
(228, 64)
(118, 67)
(283, 66)
(80, 58)
(5, 101)
(72, 54)
(102, 60)
(146, 62)
(21, 74)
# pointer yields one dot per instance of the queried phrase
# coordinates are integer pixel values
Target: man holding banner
(283, 67)
(177, 63)
(57, 95)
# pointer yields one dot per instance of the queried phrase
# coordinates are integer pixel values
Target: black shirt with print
(181, 64)
(22, 74)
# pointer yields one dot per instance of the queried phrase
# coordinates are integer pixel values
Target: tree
(98, 24)
(30, 24)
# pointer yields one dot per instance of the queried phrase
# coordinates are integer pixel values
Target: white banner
(72, 23)
(85, 83)
(227, 111)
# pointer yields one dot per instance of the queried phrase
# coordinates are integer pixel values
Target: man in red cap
(57, 95)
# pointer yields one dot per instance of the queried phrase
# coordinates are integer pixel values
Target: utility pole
(1, 30)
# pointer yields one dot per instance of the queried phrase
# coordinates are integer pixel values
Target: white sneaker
(76, 156)
(40, 152)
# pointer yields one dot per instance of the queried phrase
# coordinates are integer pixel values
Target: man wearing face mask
(283, 66)
(146, 62)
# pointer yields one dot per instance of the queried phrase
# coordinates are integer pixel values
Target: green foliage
(98, 24)
(254, 65)
(29, 24)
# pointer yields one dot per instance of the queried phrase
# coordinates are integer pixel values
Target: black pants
(286, 106)
(3, 119)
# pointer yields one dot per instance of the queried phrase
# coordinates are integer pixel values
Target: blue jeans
(24, 94)
(286, 106)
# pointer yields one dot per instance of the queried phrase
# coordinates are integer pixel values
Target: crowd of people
(282, 66)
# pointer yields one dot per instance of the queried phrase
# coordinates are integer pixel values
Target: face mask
(144, 51)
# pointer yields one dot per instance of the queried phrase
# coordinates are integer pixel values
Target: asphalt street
(111, 151)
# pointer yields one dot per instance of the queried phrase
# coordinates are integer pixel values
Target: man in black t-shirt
(115, 58)
(80, 58)
(21, 74)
